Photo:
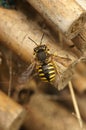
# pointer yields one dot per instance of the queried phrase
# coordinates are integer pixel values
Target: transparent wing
(26, 75)
(62, 60)
(65, 62)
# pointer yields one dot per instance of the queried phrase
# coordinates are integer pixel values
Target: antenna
(41, 38)
(33, 41)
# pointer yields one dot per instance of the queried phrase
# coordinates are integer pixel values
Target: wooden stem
(65, 15)
(11, 114)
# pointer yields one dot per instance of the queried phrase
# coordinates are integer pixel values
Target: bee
(43, 63)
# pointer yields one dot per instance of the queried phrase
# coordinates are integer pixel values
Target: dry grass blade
(75, 104)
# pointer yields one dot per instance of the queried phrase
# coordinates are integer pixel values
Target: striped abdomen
(46, 72)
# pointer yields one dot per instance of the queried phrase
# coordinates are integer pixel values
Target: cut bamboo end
(80, 39)
(66, 15)
(11, 114)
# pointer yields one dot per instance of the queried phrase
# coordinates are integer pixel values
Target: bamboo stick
(82, 3)
(11, 114)
(65, 15)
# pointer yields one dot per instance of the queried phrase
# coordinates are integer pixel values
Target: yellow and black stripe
(46, 72)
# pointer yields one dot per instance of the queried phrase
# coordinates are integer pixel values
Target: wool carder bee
(43, 63)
